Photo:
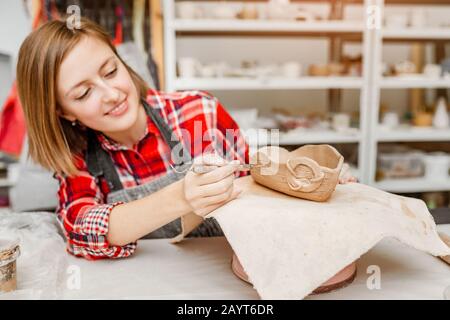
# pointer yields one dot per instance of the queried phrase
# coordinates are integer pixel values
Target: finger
(218, 198)
(205, 212)
(216, 188)
(219, 173)
(203, 168)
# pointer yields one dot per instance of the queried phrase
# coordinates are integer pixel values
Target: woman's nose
(110, 94)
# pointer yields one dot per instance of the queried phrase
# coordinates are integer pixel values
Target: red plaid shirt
(82, 210)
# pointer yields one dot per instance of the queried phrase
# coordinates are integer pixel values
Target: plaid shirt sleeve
(84, 217)
(220, 133)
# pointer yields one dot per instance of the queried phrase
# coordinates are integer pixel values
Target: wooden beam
(157, 37)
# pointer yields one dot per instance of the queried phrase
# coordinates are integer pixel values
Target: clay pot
(319, 70)
(9, 251)
(249, 12)
(310, 172)
(336, 69)
(340, 280)
(423, 119)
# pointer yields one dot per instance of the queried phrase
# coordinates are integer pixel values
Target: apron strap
(99, 162)
(166, 132)
(162, 125)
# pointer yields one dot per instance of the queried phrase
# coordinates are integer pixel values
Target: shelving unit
(412, 134)
(258, 26)
(417, 34)
(326, 136)
(271, 83)
(370, 134)
(413, 185)
(175, 28)
(413, 82)
(5, 183)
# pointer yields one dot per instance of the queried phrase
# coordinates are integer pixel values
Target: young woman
(110, 141)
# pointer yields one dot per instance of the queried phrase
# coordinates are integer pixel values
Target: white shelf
(235, 25)
(413, 134)
(413, 82)
(413, 185)
(315, 136)
(414, 33)
(5, 183)
(268, 83)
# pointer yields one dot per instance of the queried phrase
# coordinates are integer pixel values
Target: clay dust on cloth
(289, 246)
(42, 264)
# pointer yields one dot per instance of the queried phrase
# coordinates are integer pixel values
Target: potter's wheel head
(340, 280)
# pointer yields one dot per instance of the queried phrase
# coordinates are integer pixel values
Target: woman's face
(95, 88)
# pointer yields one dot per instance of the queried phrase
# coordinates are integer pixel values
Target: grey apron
(100, 165)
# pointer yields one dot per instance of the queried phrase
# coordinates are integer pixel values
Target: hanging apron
(100, 164)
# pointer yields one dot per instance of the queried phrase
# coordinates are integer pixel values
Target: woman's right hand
(206, 192)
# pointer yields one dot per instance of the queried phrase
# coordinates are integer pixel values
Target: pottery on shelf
(440, 118)
(188, 67)
(248, 12)
(390, 120)
(432, 70)
(291, 69)
(188, 10)
(340, 280)
(319, 70)
(310, 172)
(224, 11)
(423, 119)
(330, 69)
(436, 166)
(341, 122)
(405, 68)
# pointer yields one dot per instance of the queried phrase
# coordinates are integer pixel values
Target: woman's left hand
(346, 176)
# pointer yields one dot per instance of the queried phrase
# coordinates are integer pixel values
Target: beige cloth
(289, 246)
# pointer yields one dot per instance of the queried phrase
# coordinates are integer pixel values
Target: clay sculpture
(310, 172)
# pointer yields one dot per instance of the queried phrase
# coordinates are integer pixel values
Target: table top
(199, 268)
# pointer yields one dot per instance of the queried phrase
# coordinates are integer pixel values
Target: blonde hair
(53, 142)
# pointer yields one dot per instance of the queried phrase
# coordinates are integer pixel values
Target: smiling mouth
(118, 109)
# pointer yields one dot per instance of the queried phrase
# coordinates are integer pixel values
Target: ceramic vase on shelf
(441, 117)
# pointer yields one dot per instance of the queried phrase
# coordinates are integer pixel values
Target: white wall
(14, 27)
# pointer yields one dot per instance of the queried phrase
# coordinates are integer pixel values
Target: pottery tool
(446, 240)
(201, 168)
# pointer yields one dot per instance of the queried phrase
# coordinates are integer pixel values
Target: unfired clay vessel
(310, 172)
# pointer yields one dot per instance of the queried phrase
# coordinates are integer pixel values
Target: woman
(121, 151)
(109, 139)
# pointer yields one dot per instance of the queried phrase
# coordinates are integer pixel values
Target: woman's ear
(65, 115)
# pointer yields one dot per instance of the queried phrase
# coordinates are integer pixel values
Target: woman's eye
(111, 72)
(83, 95)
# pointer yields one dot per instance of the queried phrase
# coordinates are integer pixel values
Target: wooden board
(157, 37)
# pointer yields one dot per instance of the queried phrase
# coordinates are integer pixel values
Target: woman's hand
(346, 176)
(206, 192)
